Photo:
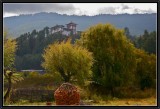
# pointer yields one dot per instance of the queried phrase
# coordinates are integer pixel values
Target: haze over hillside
(136, 23)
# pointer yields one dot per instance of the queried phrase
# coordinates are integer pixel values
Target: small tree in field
(72, 62)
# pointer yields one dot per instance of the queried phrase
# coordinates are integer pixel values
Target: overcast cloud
(108, 10)
(11, 9)
(30, 8)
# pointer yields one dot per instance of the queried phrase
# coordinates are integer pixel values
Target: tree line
(31, 46)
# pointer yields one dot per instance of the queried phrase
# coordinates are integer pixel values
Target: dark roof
(71, 23)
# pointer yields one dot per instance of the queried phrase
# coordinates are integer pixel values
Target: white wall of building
(57, 30)
(66, 33)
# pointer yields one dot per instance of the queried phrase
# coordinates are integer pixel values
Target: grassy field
(129, 102)
(115, 102)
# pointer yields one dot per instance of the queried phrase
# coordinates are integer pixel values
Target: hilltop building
(70, 29)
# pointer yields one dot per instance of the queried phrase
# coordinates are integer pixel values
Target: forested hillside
(31, 46)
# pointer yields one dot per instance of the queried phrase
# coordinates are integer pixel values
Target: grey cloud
(149, 11)
(124, 7)
(144, 11)
(23, 8)
(136, 10)
(107, 10)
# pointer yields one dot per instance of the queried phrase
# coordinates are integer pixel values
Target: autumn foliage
(67, 94)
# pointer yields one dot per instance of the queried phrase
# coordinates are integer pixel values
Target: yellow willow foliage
(75, 61)
(9, 51)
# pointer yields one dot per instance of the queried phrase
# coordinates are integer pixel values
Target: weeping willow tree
(114, 56)
(72, 62)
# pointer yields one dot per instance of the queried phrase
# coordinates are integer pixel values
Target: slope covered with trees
(147, 42)
(32, 45)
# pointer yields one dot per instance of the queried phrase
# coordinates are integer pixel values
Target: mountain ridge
(137, 23)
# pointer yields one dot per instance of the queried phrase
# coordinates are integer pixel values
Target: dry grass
(152, 101)
(27, 103)
(115, 102)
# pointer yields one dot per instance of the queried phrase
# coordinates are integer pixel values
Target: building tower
(72, 27)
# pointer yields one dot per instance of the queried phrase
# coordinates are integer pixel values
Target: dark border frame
(82, 1)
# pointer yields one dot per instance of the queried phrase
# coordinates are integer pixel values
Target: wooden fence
(32, 94)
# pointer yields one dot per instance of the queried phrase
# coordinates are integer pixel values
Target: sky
(90, 9)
